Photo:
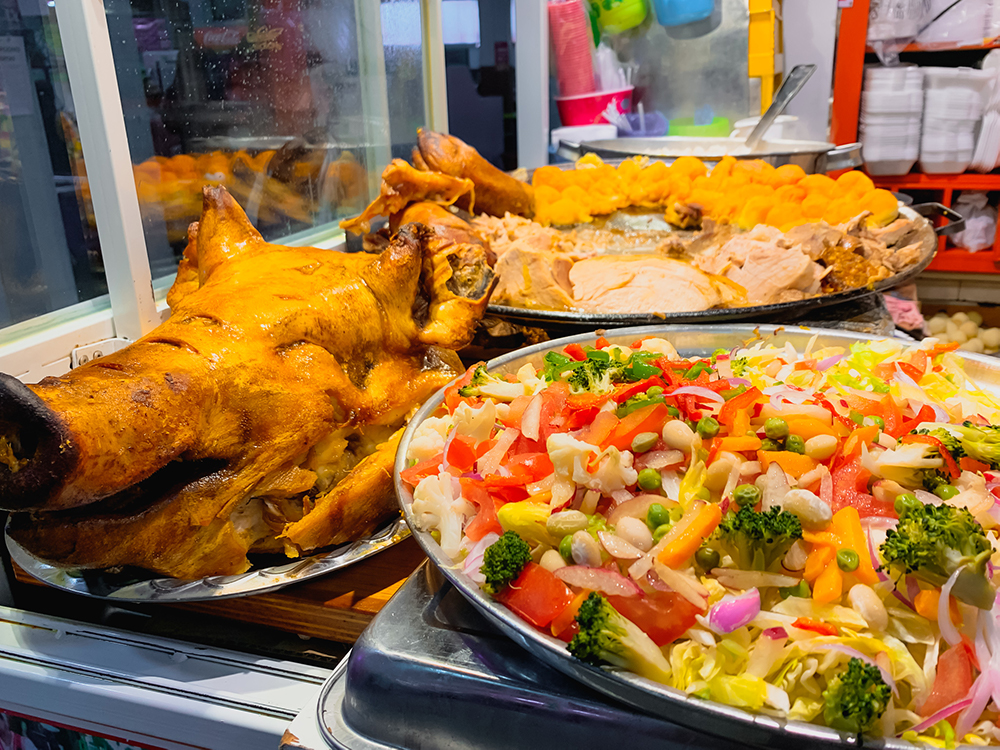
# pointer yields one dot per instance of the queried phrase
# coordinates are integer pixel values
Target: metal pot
(812, 156)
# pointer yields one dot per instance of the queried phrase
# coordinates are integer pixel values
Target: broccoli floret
(757, 541)
(856, 698)
(740, 365)
(600, 371)
(504, 560)
(951, 443)
(914, 465)
(607, 637)
(933, 541)
(981, 442)
(484, 383)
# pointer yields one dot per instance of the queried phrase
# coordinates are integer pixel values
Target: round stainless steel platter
(140, 586)
(646, 695)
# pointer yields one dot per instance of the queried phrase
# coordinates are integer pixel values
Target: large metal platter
(652, 697)
(781, 312)
(134, 585)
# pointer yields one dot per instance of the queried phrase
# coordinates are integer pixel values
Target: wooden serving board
(336, 607)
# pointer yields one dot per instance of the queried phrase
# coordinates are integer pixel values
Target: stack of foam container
(891, 107)
(953, 107)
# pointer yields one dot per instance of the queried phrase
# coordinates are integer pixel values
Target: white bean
(718, 474)
(811, 510)
(552, 561)
(565, 522)
(821, 447)
(866, 603)
(677, 435)
(585, 550)
(635, 532)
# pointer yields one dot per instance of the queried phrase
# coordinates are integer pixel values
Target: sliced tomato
(531, 466)
(486, 519)
(805, 364)
(581, 417)
(462, 453)
(554, 411)
(564, 625)
(742, 402)
(647, 419)
(425, 468)
(942, 348)
(586, 400)
(850, 449)
(850, 488)
(516, 411)
(953, 679)
(536, 595)
(575, 351)
(892, 417)
(662, 615)
(814, 626)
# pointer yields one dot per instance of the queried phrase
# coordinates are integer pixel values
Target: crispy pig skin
(497, 193)
(148, 456)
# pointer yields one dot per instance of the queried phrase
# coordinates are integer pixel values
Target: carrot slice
(689, 540)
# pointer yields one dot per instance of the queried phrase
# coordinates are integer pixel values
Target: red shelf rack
(951, 258)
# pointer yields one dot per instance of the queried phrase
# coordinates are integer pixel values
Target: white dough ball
(938, 324)
(975, 317)
(991, 338)
(960, 337)
(973, 345)
(959, 317)
(952, 330)
(969, 328)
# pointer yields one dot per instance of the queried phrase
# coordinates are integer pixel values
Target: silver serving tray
(137, 586)
(646, 695)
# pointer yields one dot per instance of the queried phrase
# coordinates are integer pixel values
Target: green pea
(800, 590)
(906, 501)
(770, 445)
(656, 515)
(776, 428)
(702, 493)
(946, 491)
(707, 558)
(650, 480)
(847, 560)
(676, 513)
(673, 411)
(707, 427)
(660, 531)
(566, 548)
(878, 421)
(644, 441)
(747, 494)
(795, 444)
(654, 391)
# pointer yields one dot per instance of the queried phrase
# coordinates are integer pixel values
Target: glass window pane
(294, 105)
(49, 254)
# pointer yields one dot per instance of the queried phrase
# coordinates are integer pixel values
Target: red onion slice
(531, 419)
(876, 563)
(598, 579)
(934, 718)
(733, 612)
(637, 507)
(618, 547)
(776, 634)
(658, 459)
(979, 696)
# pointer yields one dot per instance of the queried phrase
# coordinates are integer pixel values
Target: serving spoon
(791, 86)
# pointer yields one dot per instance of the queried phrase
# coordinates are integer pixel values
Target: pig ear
(224, 232)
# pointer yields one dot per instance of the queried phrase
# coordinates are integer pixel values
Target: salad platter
(706, 696)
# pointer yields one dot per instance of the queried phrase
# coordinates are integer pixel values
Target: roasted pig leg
(272, 379)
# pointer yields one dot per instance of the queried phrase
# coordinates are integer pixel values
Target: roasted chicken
(262, 416)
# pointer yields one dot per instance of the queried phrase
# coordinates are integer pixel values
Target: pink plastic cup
(569, 28)
(588, 109)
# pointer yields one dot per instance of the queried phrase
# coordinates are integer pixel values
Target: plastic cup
(588, 109)
(569, 29)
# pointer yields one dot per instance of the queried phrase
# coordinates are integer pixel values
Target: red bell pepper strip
(949, 461)
(967, 463)
(486, 519)
(461, 453)
(575, 351)
(926, 414)
(602, 343)
(624, 392)
(742, 402)
(815, 626)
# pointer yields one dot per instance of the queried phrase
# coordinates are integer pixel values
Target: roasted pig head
(261, 416)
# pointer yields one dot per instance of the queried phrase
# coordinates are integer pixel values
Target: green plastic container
(718, 128)
(616, 16)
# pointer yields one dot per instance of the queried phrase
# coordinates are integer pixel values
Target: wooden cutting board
(336, 607)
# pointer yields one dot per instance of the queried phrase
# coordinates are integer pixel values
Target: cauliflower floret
(660, 346)
(438, 504)
(570, 458)
(528, 376)
(428, 440)
(475, 423)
